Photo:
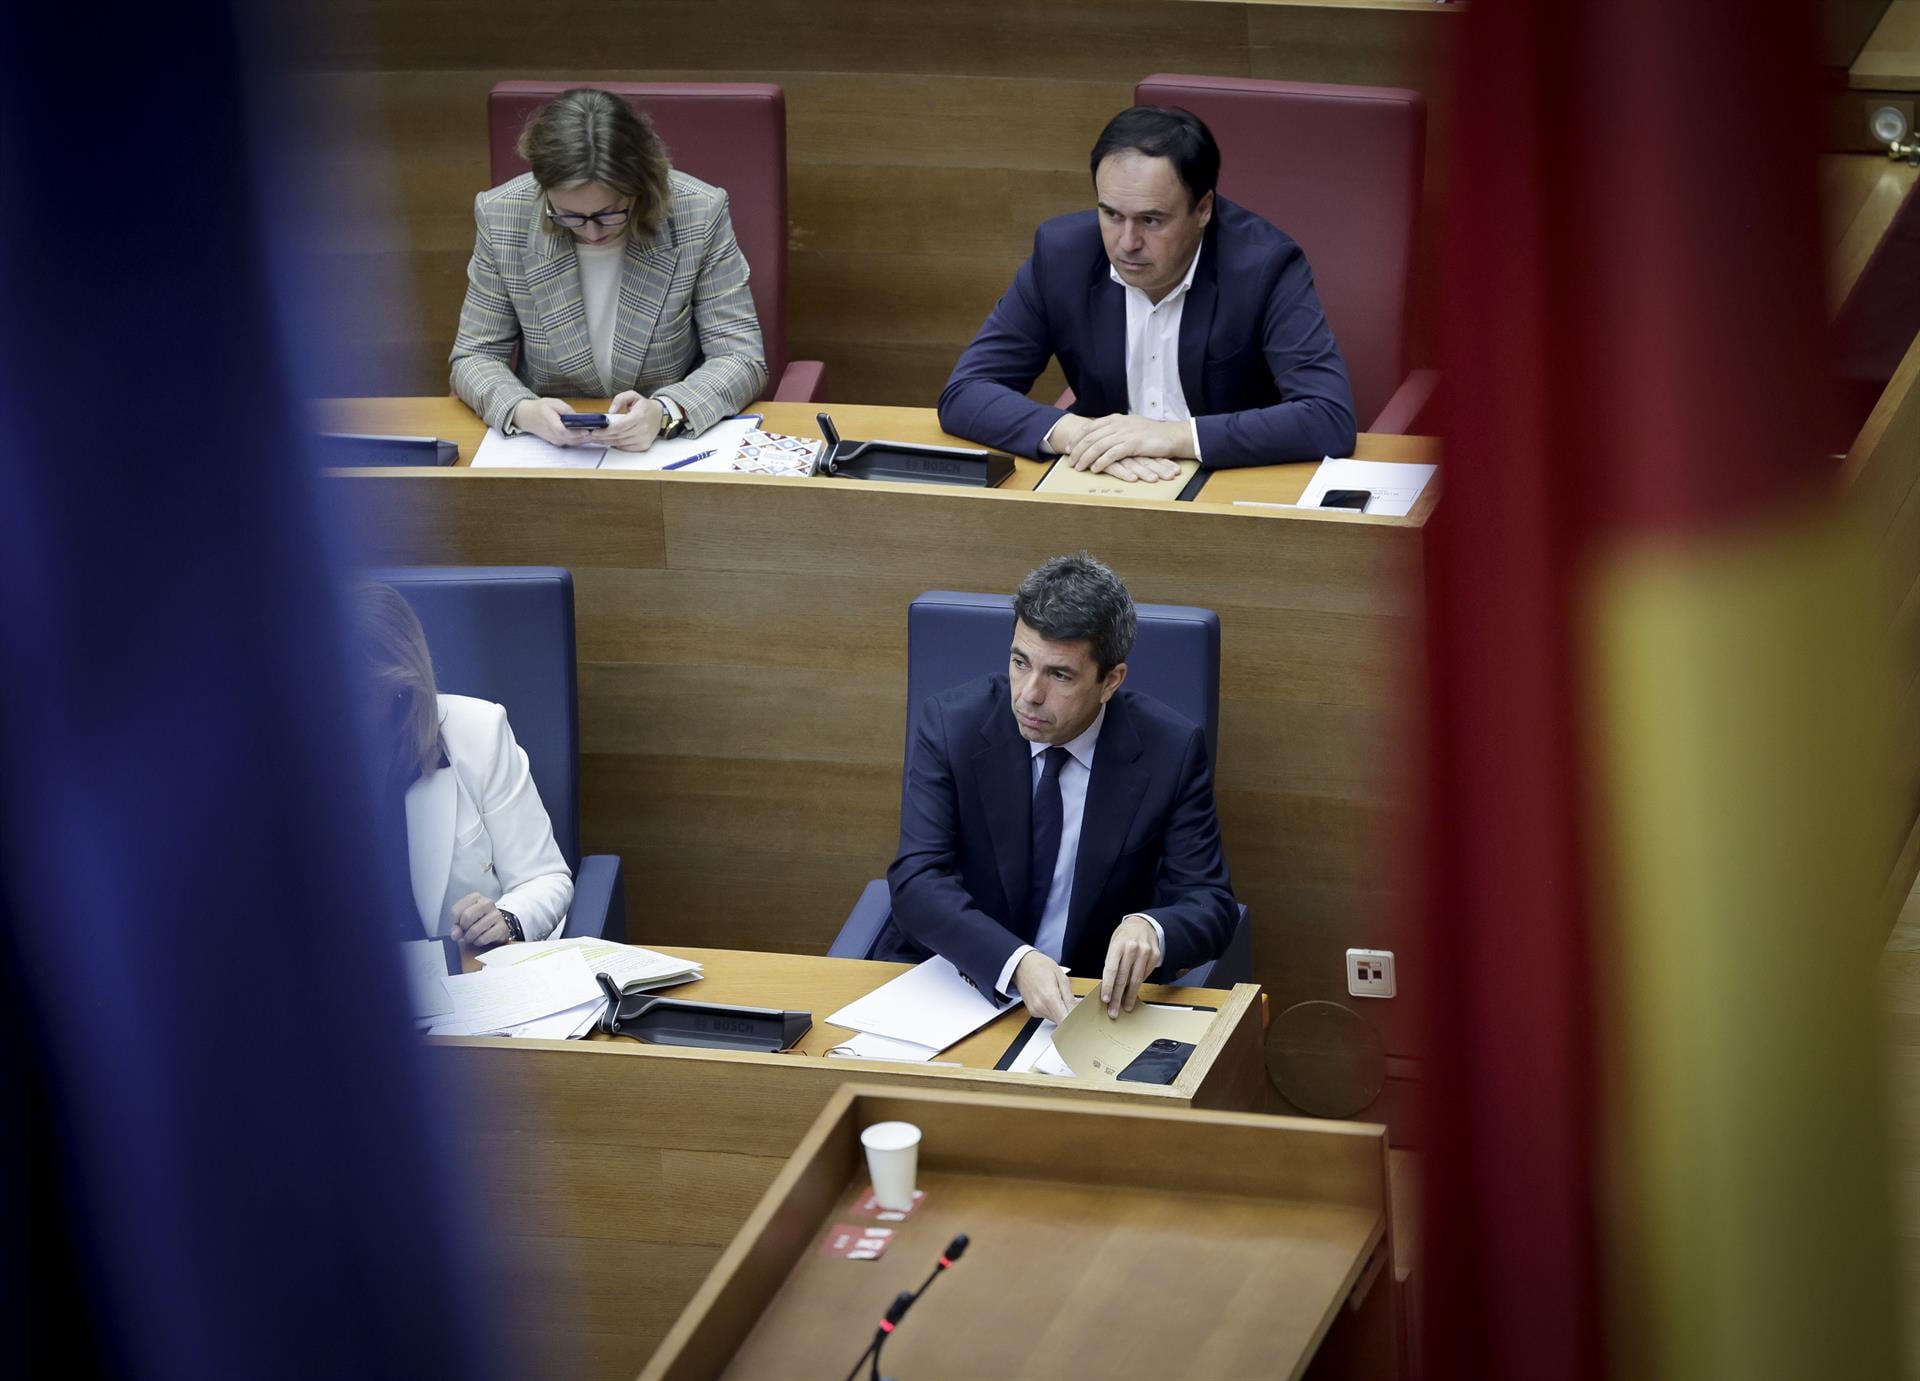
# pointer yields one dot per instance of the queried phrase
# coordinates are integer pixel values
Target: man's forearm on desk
(989, 413)
(1307, 429)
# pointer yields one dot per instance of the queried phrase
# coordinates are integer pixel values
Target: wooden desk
(612, 1173)
(1105, 1242)
(452, 420)
(743, 674)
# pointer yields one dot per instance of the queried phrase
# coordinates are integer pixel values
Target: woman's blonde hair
(394, 657)
(589, 135)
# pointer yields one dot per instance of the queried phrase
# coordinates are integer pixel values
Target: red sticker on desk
(857, 1243)
(869, 1207)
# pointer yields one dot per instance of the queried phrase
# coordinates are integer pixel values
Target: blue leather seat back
(505, 633)
(954, 637)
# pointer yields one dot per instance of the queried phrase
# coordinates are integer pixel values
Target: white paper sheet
(624, 964)
(684, 452)
(867, 1046)
(529, 452)
(1395, 485)
(561, 1026)
(426, 965)
(1038, 1056)
(502, 997)
(930, 1004)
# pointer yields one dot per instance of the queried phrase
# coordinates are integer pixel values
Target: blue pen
(688, 461)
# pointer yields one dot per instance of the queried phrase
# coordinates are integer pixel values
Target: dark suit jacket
(1149, 840)
(1258, 364)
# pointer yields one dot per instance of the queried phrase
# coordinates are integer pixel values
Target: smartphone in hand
(583, 421)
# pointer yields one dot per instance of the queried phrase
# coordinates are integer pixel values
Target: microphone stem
(870, 1352)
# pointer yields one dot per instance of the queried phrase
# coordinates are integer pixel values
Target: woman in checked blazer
(605, 273)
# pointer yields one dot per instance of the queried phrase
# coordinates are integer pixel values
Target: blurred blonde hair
(393, 650)
(589, 135)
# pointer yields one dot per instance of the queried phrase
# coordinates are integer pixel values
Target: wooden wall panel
(925, 142)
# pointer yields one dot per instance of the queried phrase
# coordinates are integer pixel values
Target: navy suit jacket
(1258, 365)
(1149, 839)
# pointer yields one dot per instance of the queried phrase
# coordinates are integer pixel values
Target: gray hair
(589, 135)
(394, 658)
(1073, 598)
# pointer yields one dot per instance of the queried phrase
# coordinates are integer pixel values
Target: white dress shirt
(1153, 354)
(1075, 773)
(600, 293)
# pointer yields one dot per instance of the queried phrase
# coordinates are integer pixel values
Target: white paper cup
(893, 1160)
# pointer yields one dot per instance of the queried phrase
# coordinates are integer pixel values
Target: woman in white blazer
(482, 861)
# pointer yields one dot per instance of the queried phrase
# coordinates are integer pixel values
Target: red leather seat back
(732, 134)
(1339, 169)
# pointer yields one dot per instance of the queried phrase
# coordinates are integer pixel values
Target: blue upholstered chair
(954, 637)
(505, 633)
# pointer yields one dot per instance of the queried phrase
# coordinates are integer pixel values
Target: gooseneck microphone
(947, 1258)
(897, 1311)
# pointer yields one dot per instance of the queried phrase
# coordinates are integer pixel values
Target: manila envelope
(1098, 1048)
(1064, 479)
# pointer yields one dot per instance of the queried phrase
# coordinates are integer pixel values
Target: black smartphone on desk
(1355, 499)
(1160, 1063)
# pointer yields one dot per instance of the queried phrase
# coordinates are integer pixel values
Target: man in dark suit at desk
(1052, 817)
(1188, 327)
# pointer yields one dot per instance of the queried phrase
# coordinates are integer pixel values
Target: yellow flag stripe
(1742, 826)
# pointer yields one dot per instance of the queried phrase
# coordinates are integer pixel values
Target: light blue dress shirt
(1075, 773)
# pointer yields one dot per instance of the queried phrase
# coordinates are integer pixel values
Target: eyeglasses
(573, 220)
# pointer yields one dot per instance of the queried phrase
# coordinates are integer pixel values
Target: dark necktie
(1047, 818)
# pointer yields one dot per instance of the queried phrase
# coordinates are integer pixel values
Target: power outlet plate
(1370, 973)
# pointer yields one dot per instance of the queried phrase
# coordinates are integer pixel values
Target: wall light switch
(1370, 973)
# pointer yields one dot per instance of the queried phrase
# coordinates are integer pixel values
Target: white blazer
(477, 825)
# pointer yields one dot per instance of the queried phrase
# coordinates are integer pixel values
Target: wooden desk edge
(1239, 1008)
(337, 412)
(1286, 512)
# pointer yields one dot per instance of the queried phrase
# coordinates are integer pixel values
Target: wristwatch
(673, 417)
(514, 932)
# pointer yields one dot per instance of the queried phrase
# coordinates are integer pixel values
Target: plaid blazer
(685, 327)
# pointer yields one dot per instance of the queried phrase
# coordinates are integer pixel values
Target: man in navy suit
(1188, 327)
(1053, 818)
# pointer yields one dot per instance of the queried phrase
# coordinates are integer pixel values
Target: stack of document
(917, 1015)
(546, 990)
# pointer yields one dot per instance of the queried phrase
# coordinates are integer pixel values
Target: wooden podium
(611, 1175)
(1105, 1240)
